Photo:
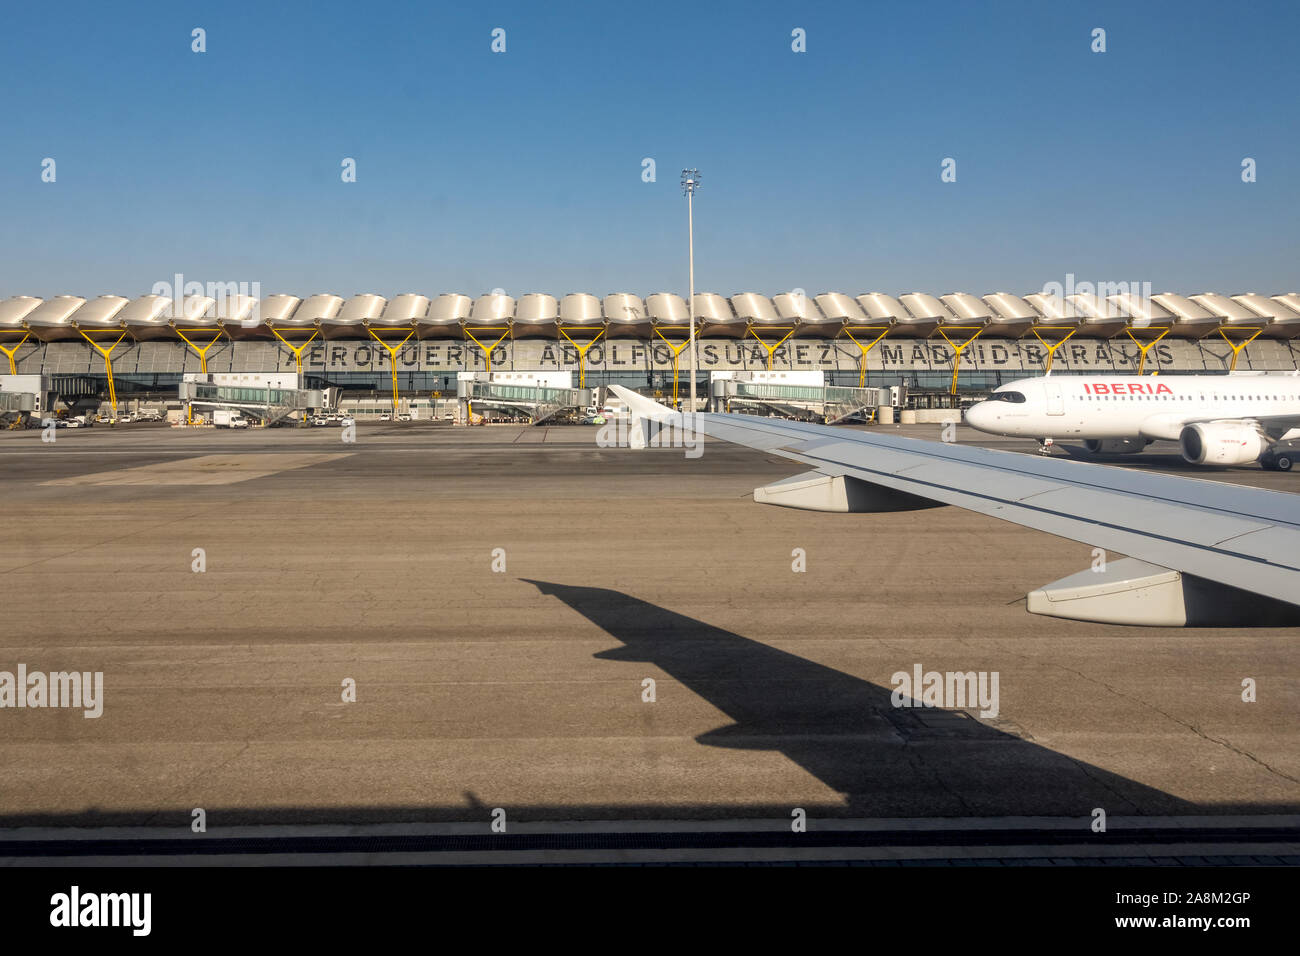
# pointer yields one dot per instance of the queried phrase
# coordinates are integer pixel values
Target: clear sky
(523, 169)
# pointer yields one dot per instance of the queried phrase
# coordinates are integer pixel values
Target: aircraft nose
(979, 416)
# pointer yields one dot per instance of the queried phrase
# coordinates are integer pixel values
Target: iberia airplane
(1216, 419)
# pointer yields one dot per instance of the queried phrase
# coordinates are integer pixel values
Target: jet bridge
(534, 397)
(22, 396)
(801, 396)
(267, 397)
(15, 407)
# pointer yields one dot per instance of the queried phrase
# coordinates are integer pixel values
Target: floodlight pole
(690, 228)
(691, 182)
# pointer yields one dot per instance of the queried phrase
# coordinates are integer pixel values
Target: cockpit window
(1015, 398)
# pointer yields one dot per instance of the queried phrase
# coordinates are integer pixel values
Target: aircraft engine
(1221, 443)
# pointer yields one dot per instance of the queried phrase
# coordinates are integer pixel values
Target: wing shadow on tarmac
(845, 732)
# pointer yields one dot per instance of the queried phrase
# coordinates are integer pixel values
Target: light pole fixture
(690, 183)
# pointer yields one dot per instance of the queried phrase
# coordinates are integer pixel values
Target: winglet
(642, 407)
(643, 411)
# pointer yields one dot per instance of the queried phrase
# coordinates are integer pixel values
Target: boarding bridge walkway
(535, 403)
(15, 407)
(821, 403)
(17, 402)
(271, 405)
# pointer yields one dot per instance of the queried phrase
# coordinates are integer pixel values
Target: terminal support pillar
(9, 352)
(392, 356)
(1144, 349)
(108, 362)
(582, 353)
(1238, 346)
(958, 349)
(202, 352)
(1052, 346)
(203, 358)
(487, 351)
(771, 349)
(862, 359)
(677, 351)
(297, 351)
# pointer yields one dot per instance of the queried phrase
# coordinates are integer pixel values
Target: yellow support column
(958, 349)
(676, 354)
(862, 359)
(202, 352)
(203, 358)
(1052, 346)
(487, 350)
(1238, 346)
(771, 349)
(392, 355)
(108, 361)
(10, 352)
(1144, 349)
(297, 351)
(582, 353)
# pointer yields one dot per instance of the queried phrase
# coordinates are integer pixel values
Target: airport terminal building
(939, 348)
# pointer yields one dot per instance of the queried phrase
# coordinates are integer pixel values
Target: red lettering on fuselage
(1127, 388)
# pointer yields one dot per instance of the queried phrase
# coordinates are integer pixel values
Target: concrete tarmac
(517, 678)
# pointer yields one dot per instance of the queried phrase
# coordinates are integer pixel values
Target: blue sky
(522, 170)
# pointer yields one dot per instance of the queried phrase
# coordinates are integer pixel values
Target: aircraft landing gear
(1277, 461)
(1045, 446)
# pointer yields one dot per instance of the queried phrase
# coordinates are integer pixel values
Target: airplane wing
(1275, 425)
(1169, 426)
(1200, 552)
